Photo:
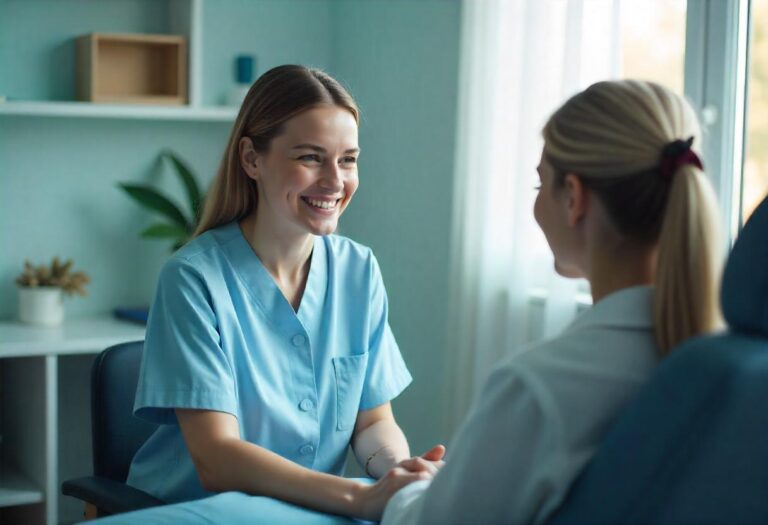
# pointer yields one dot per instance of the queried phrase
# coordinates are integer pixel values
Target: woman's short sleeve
(386, 375)
(183, 365)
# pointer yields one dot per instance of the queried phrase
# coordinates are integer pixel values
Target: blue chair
(117, 435)
(693, 446)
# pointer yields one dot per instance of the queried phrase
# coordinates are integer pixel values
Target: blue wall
(37, 51)
(59, 197)
(398, 57)
(276, 31)
(400, 60)
(58, 176)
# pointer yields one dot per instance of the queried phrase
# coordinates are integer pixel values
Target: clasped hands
(407, 471)
(429, 462)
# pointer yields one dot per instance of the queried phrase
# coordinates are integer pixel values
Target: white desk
(30, 400)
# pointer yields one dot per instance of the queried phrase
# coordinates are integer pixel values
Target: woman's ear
(249, 158)
(577, 198)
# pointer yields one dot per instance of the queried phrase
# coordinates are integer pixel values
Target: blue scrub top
(221, 336)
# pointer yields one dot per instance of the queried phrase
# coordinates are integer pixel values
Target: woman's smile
(322, 205)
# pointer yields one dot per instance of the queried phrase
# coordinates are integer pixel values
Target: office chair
(117, 435)
(693, 446)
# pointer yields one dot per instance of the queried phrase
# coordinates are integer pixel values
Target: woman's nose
(332, 177)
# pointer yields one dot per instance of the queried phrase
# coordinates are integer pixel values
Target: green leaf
(188, 180)
(162, 230)
(150, 198)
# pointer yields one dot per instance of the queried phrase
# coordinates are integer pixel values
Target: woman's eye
(310, 157)
(349, 160)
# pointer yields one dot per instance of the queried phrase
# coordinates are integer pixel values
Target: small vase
(43, 305)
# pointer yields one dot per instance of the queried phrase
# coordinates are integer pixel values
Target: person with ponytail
(624, 202)
(268, 348)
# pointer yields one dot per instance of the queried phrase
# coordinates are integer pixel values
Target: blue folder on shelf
(135, 315)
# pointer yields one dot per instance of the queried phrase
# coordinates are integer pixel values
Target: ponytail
(689, 255)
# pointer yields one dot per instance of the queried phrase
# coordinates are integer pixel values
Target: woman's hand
(430, 462)
(370, 500)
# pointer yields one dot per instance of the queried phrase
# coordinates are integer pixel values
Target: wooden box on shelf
(132, 68)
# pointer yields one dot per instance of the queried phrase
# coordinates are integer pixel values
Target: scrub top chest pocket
(349, 373)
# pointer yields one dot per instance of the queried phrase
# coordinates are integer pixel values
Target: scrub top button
(306, 450)
(298, 340)
(306, 405)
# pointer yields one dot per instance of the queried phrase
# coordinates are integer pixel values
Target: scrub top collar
(626, 308)
(264, 289)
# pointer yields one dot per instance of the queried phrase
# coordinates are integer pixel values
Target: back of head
(632, 143)
(277, 96)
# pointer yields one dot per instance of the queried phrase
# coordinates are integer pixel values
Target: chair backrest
(117, 434)
(693, 446)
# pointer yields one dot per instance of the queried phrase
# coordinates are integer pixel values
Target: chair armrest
(108, 495)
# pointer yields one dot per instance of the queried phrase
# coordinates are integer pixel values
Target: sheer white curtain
(519, 60)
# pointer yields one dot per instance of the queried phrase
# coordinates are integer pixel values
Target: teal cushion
(745, 281)
(691, 448)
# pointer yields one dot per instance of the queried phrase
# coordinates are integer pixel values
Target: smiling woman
(279, 106)
(308, 176)
(268, 348)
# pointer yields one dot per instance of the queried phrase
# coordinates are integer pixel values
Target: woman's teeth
(326, 205)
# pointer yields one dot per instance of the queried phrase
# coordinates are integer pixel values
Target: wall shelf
(17, 489)
(119, 111)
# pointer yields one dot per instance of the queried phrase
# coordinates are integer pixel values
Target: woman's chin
(568, 272)
(324, 228)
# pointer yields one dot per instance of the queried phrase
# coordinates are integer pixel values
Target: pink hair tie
(675, 154)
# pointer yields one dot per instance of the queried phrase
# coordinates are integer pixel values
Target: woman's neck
(612, 273)
(286, 257)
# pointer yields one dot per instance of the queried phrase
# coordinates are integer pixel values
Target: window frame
(715, 79)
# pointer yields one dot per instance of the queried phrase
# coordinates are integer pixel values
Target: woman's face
(551, 211)
(308, 176)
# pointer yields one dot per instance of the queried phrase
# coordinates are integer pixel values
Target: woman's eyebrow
(320, 149)
(313, 147)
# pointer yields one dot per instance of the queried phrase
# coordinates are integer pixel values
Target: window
(715, 82)
(755, 175)
(653, 41)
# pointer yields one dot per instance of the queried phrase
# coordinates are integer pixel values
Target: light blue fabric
(230, 508)
(221, 336)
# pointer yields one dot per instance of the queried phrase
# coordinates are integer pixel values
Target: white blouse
(539, 420)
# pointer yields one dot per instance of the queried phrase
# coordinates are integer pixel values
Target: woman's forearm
(234, 464)
(385, 441)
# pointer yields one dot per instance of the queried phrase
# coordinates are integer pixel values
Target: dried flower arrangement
(57, 274)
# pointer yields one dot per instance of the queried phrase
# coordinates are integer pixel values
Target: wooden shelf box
(132, 68)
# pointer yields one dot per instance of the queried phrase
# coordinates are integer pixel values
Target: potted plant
(42, 289)
(178, 225)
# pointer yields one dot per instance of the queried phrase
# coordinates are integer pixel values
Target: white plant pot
(43, 305)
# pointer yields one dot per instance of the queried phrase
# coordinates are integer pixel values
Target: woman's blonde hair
(614, 135)
(277, 96)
